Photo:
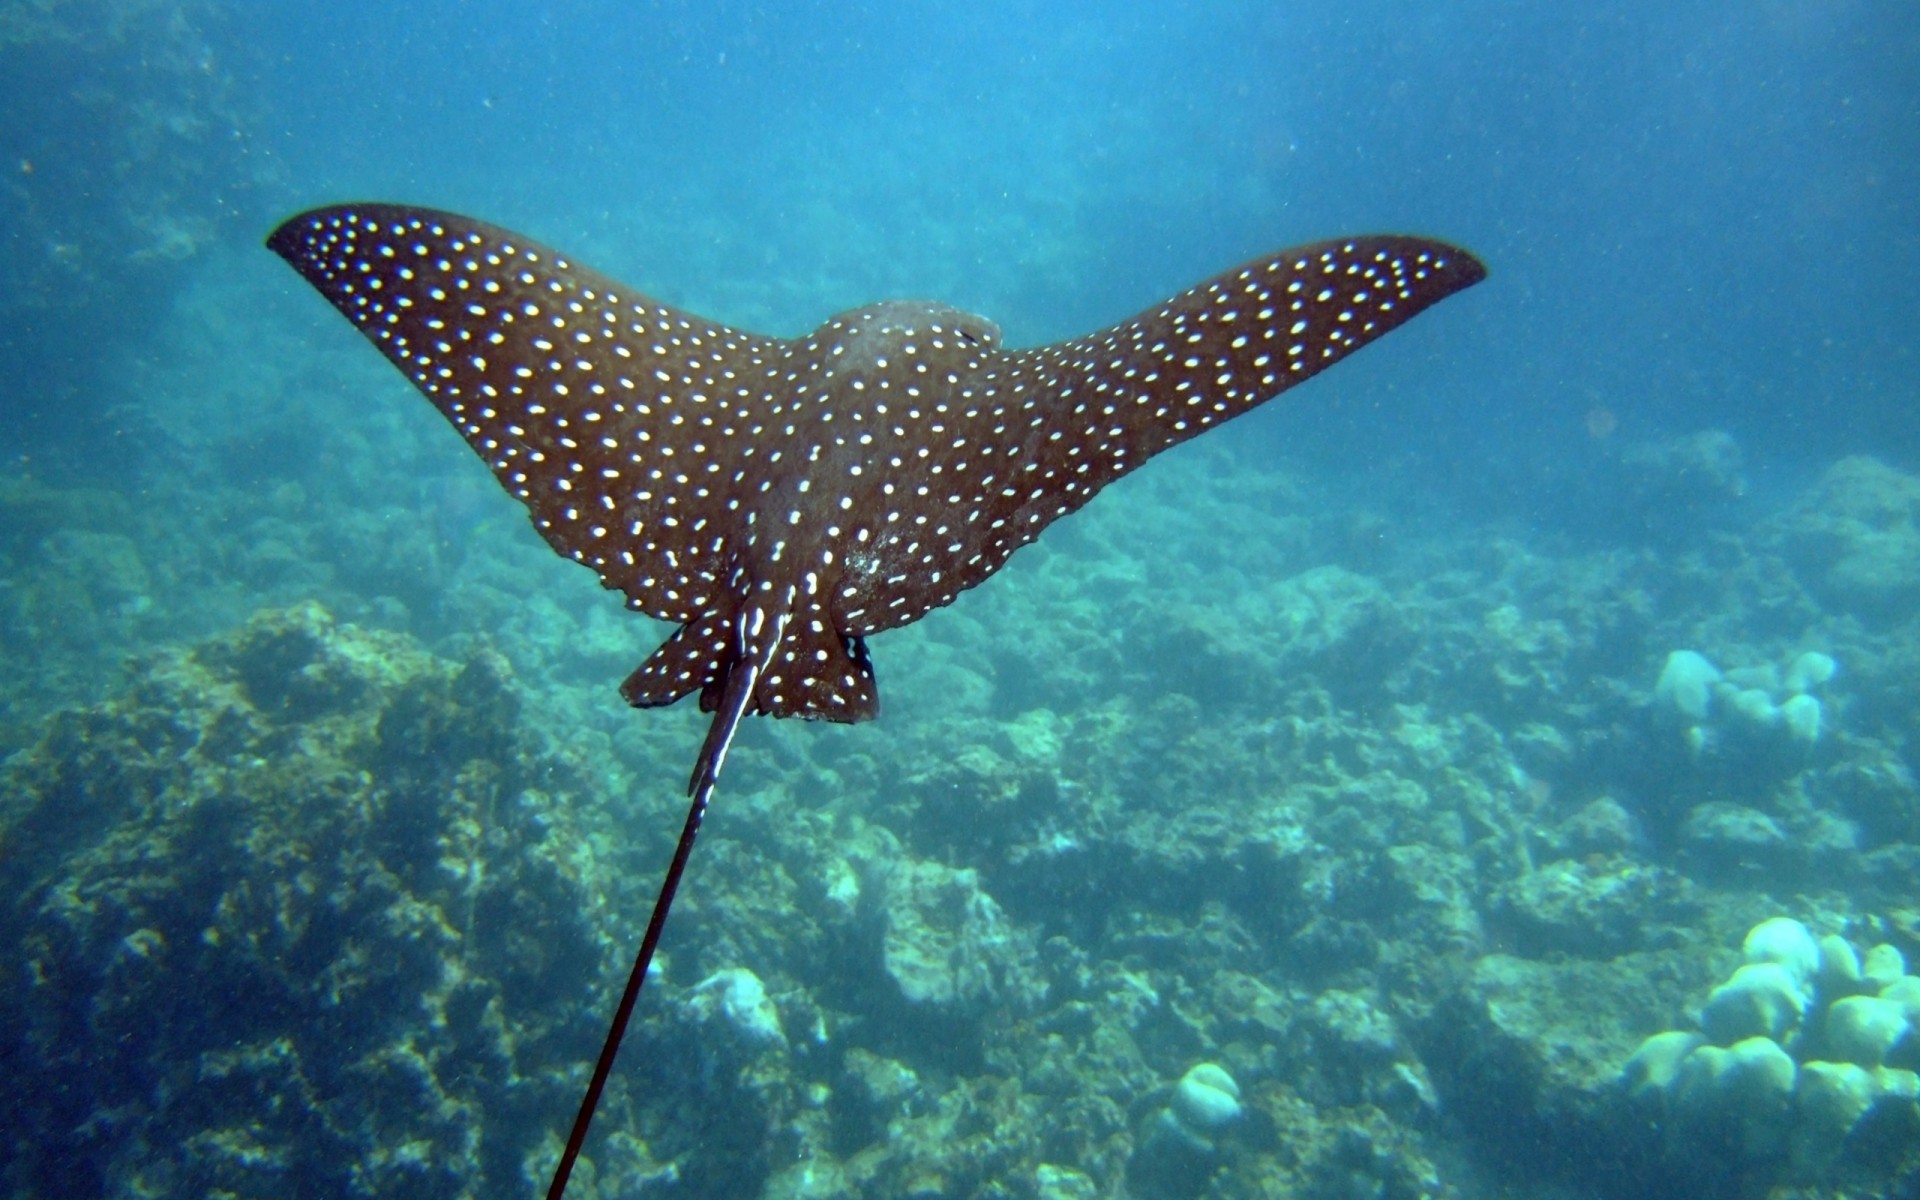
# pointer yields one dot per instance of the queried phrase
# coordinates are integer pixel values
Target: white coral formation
(1803, 718)
(1686, 685)
(1787, 944)
(736, 995)
(1758, 1000)
(1204, 1103)
(1796, 1048)
(1696, 695)
(1651, 1071)
(1809, 671)
(1883, 967)
(1864, 1030)
(1748, 1085)
(1206, 1098)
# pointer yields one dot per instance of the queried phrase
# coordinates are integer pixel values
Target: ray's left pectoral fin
(1241, 338)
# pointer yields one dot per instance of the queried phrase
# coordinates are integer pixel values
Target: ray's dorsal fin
(781, 500)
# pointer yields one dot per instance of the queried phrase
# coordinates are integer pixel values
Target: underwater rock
(1874, 789)
(1343, 628)
(1525, 1054)
(1854, 539)
(986, 787)
(1602, 826)
(1427, 894)
(77, 592)
(812, 1178)
(1723, 839)
(1173, 1160)
(1689, 472)
(947, 944)
(1035, 737)
(885, 1086)
(1596, 906)
(1356, 1055)
(1351, 1028)
(964, 1138)
(1052, 1182)
(737, 997)
(143, 135)
(300, 904)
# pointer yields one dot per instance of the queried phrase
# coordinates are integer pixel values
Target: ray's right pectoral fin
(1235, 341)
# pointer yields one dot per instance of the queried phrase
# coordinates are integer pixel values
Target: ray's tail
(759, 640)
(623, 1012)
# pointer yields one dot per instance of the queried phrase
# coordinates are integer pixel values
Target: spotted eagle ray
(781, 500)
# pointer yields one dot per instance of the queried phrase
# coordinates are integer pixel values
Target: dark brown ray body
(782, 499)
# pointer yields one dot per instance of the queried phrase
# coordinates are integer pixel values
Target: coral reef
(300, 905)
(1805, 1070)
(1751, 702)
(1406, 845)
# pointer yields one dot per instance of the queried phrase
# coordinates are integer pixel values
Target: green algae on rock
(298, 905)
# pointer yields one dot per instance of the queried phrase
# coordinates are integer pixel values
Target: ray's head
(879, 337)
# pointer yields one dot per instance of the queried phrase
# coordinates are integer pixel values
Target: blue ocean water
(1345, 658)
